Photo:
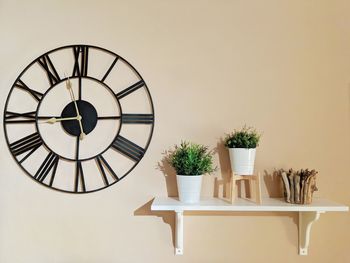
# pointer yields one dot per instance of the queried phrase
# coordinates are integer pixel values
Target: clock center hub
(88, 115)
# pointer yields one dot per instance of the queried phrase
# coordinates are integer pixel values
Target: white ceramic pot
(242, 160)
(189, 188)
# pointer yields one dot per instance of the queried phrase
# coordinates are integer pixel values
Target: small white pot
(242, 160)
(189, 188)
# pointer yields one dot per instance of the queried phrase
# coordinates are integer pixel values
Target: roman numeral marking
(130, 89)
(128, 148)
(50, 164)
(79, 178)
(80, 66)
(101, 163)
(35, 94)
(46, 63)
(25, 117)
(108, 117)
(14, 117)
(137, 118)
(28, 144)
(110, 69)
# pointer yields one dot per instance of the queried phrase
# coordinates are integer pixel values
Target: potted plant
(242, 148)
(191, 161)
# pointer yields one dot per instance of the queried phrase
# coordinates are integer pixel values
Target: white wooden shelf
(307, 213)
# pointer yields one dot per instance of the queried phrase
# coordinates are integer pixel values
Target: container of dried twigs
(299, 185)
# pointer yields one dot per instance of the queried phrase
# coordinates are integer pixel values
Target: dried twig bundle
(298, 185)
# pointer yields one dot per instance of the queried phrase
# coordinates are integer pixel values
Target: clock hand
(54, 120)
(79, 118)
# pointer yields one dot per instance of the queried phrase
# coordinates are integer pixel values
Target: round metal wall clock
(78, 118)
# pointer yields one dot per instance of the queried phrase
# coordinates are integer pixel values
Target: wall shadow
(290, 233)
(273, 184)
(224, 184)
(168, 217)
(169, 175)
(225, 167)
(349, 100)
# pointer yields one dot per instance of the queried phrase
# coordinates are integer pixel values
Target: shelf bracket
(306, 219)
(179, 232)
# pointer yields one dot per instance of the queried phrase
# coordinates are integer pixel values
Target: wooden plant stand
(252, 179)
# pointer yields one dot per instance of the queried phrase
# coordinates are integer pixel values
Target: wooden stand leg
(258, 190)
(233, 186)
(250, 178)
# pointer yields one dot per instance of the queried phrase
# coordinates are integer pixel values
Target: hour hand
(82, 134)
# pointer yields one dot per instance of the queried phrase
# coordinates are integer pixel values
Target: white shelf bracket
(306, 219)
(179, 232)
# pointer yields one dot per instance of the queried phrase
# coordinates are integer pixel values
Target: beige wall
(211, 66)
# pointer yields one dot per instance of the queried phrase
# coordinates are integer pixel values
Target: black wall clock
(78, 118)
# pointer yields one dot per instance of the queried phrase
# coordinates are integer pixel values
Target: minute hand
(79, 118)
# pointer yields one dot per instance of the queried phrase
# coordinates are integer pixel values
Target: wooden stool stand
(252, 179)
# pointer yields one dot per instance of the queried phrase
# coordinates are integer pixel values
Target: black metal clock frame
(35, 140)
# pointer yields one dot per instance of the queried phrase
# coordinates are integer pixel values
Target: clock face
(78, 118)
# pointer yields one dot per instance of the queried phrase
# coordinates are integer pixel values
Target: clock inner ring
(88, 114)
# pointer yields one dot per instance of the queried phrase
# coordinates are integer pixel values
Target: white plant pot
(242, 160)
(189, 188)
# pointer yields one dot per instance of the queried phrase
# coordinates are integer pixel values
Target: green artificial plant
(247, 138)
(191, 159)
